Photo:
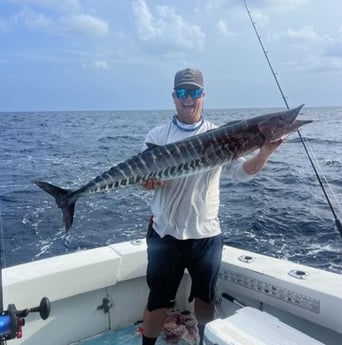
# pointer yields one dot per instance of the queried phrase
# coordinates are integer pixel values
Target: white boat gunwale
(77, 283)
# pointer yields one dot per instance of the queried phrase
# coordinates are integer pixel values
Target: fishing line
(321, 173)
(337, 221)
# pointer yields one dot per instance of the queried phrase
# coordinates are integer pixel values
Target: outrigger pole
(12, 320)
(337, 221)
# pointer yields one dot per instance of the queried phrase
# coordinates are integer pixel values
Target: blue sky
(122, 54)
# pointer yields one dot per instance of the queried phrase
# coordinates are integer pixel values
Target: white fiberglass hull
(82, 285)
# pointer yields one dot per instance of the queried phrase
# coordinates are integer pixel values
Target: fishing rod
(337, 221)
(12, 320)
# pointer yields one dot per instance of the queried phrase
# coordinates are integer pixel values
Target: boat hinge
(105, 306)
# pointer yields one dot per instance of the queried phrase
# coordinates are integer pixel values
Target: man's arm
(253, 165)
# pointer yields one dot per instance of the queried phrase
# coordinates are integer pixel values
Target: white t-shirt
(187, 207)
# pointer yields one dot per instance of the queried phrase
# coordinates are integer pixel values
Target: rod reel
(12, 320)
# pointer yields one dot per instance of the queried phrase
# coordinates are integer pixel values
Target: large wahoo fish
(190, 156)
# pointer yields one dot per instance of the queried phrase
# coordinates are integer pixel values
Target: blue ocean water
(282, 212)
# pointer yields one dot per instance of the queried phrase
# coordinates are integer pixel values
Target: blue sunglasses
(184, 93)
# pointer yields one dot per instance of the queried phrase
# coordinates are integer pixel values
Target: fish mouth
(279, 125)
(297, 124)
(293, 127)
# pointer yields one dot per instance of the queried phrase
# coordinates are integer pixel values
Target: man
(185, 230)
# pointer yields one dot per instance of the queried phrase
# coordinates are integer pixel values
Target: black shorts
(167, 260)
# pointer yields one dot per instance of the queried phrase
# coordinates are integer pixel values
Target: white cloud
(76, 24)
(314, 51)
(66, 6)
(83, 25)
(146, 27)
(294, 3)
(304, 39)
(316, 64)
(100, 64)
(260, 18)
(34, 20)
(305, 33)
(166, 30)
(288, 4)
(334, 48)
(224, 30)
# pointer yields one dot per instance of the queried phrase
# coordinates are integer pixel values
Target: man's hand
(269, 147)
(152, 184)
(256, 163)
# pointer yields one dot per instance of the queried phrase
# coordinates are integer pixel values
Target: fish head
(278, 125)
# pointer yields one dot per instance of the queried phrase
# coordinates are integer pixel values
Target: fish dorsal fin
(150, 145)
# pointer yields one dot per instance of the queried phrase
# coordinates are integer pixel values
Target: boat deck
(127, 336)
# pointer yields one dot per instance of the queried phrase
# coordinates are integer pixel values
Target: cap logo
(189, 76)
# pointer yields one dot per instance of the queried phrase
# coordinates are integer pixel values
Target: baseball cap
(189, 76)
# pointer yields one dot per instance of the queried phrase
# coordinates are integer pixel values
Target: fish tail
(64, 200)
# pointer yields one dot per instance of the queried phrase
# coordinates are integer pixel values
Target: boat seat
(250, 326)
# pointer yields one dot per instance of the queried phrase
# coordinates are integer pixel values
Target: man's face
(189, 102)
